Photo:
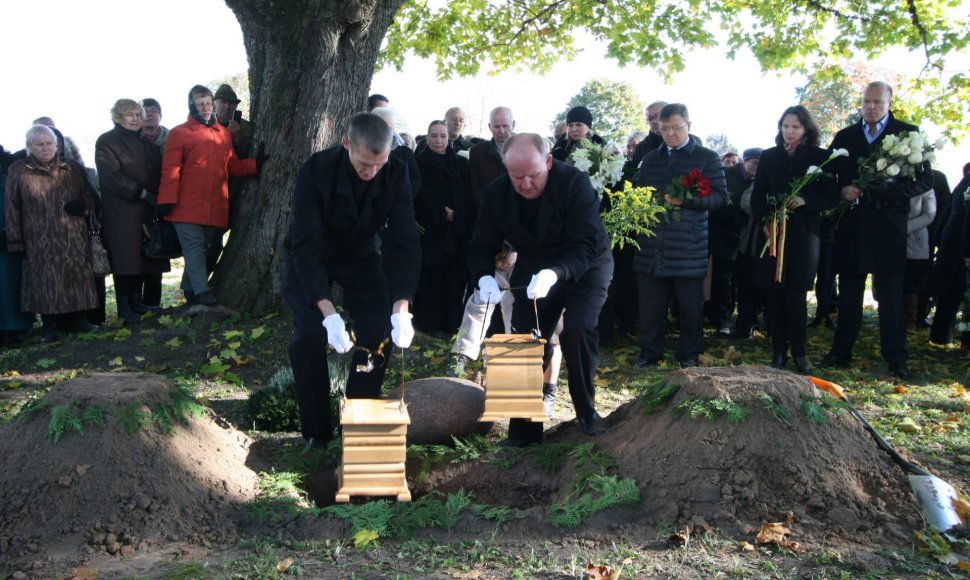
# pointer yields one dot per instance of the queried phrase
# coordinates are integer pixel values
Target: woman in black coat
(795, 152)
(579, 123)
(129, 167)
(444, 210)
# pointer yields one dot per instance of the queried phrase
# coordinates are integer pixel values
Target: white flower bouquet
(897, 157)
(603, 163)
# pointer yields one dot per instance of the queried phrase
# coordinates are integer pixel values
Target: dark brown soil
(105, 491)
(830, 479)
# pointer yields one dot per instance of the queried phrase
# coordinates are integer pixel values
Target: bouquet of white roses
(603, 163)
(898, 156)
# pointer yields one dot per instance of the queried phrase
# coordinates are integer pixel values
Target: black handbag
(161, 242)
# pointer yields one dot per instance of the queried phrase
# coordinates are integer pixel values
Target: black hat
(225, 93)
(753, 153)
(580, 114)
(150, 102)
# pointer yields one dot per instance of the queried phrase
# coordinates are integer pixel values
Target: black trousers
(825, 281)
(579, 304)
(892, 323)
(654, 293)
(619, 313)
(751, 297)
(721, 305)
(788, 320)
(951, 282)
(367, 304)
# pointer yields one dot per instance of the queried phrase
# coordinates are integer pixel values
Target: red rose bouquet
(685, 188)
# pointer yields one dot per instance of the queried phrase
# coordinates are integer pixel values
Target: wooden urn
(374, 449)
(513, 378)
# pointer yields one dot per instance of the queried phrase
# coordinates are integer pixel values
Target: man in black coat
(871, 237)
(549, 213)
(343, 197)
(675, 258)
(485, 158)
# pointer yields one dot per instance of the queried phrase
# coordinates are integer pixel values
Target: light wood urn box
(374, 449)
(513, 378)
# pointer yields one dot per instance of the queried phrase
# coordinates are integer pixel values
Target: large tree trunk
(310, 67)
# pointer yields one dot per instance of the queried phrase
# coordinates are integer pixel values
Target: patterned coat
(57, 274)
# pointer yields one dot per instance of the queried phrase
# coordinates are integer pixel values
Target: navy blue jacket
(679, 249)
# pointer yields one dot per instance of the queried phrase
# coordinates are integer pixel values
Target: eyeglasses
(670, 129)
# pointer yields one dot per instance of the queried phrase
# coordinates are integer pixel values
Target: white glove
(488, 291)
(337, 333)
(541, 284)
(402, 332)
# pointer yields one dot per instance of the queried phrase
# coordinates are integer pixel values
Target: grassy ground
(226, 356)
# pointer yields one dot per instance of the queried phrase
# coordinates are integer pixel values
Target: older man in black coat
(871, 237)
(343, 197)
(675, 258)
(549, 213)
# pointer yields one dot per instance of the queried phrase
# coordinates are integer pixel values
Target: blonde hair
(123, 107)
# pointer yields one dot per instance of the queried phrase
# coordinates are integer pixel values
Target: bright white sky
(72, 60)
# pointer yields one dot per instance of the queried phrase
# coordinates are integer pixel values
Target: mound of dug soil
(830, 476)
(109, 491)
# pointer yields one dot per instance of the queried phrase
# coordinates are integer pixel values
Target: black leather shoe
(47, 335)
(802, 365)
(646, 362)
(593, 425)
(778, 360)
(206, 299)
(900, 371)
(831, 360)
(688, 363)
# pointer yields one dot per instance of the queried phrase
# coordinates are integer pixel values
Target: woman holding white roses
(791, 190)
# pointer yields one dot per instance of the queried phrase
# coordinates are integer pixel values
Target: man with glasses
(674, 261)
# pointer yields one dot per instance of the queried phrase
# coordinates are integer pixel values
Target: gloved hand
(541, 284)
(163, 209)
(337, 334)
(488, 290)
(261, 157)
(74, 207)
(402, 332)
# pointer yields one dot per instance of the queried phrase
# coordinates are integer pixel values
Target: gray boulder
(441, 408)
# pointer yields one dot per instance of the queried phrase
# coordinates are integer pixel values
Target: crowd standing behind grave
(709, 265)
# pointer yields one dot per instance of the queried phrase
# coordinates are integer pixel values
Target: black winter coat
(327, 226)
(775, 173)
(679, 249)
(565, 146)
(871, 236)
(484, 165)
(567, 237)
(725, 224)
(445, 183)
(127, 164)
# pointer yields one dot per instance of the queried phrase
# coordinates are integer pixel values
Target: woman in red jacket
(194, 191)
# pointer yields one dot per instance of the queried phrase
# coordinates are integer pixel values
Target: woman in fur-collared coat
(47, 199)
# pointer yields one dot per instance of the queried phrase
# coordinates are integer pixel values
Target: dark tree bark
(310, 67)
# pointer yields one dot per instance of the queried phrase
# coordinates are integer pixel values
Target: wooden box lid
(501, 345)
(373, 412)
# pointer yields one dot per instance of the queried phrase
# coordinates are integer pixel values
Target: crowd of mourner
(470, 236)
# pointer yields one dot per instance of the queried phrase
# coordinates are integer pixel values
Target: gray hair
(387, 114)
(498, 110)
(123, 106)
(636, 136)
(537, 141)
(370, 131)
(881, 85)
(40, 131)
(656, 104)
(44, 121)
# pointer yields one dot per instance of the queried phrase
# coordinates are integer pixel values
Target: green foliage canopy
(462, 36)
